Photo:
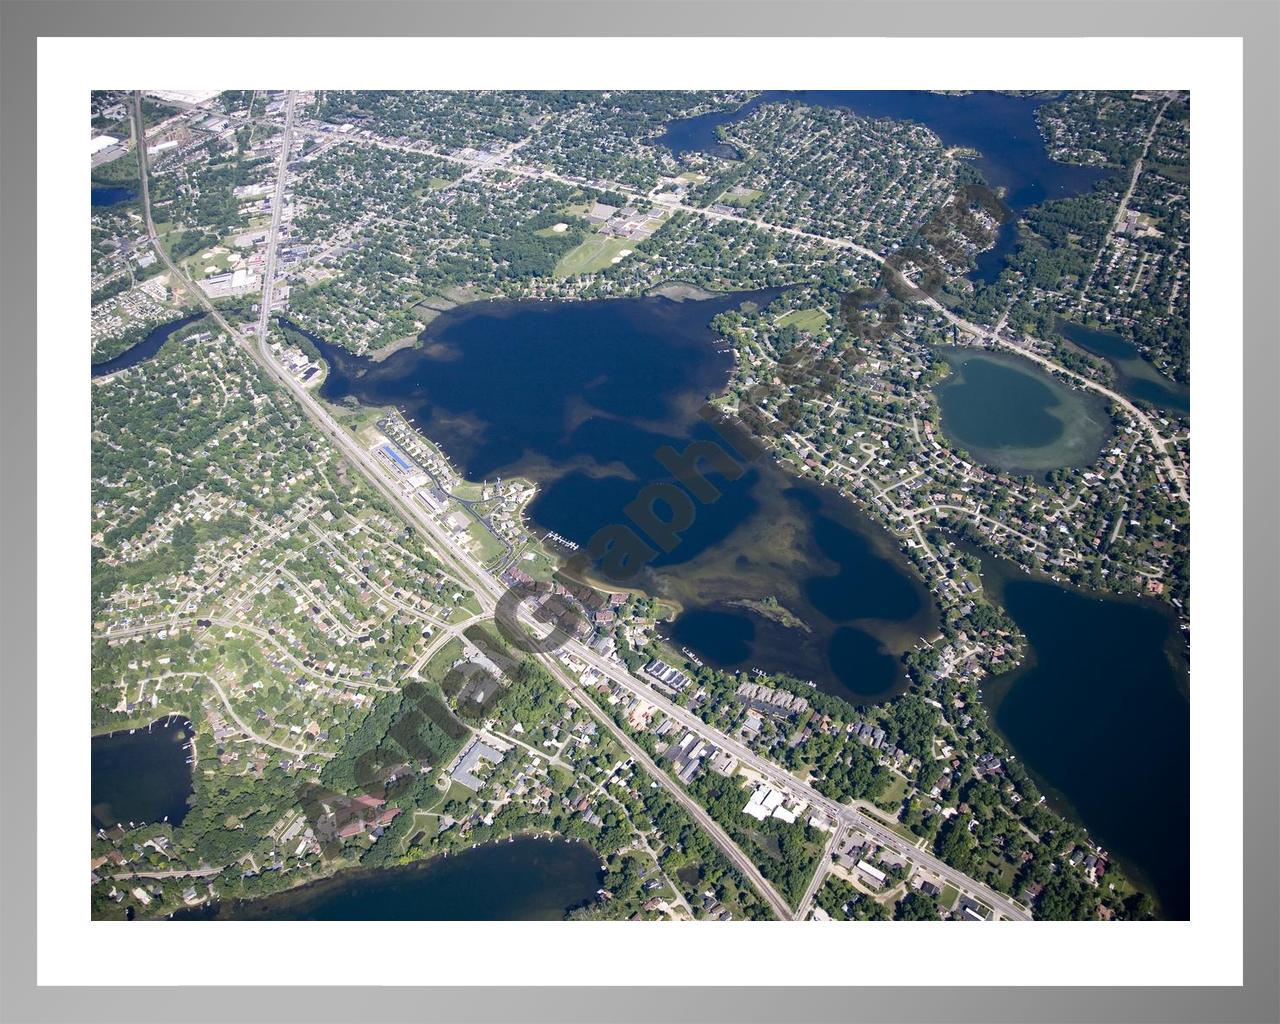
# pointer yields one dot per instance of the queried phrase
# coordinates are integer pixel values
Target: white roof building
(767, 801)
(100, 142)
(872, 872)
(195, 97)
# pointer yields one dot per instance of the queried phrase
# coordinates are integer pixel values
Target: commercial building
(768, 802)
(872, 872)
(237, 282)
(463, 772)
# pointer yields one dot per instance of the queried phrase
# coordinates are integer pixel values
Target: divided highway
(489, 590)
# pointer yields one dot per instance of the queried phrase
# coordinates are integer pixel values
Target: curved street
(488, 590)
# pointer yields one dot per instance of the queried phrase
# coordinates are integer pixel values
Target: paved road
(1128, 193)
(178, 873)
(776, 775)
(1173, 473)
(1022, 345)
(819, 874)
(488, 590)
(273, 236)
(730, 849)
(451, 554)
(1019, 344)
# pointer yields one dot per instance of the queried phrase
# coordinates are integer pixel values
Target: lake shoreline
(1045, 710)
(378, 355)
(148, 347)
(138, 776)
(316, 888)
(680, 291)
(1043, 424)
(1136, 377)
(499, 422)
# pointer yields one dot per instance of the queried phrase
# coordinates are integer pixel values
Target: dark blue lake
(579, 397)
(779, 573)
(1001, 128)
(141, 775)
(143, 350)
(1137, 378)
(111, 195)
(1100, 715)
(527, 879)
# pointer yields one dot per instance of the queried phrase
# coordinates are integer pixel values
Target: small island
(769, 608)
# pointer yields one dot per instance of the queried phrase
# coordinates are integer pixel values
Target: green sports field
(595, 254)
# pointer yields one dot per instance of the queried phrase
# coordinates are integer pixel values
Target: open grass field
(540, 566)
(431, 185)
(488, 547)
(892, 797)
(362, 421)
(808, 320)
(1001, 867)
(438, 667)
(216, 260)
(593, 255)
(743, 199)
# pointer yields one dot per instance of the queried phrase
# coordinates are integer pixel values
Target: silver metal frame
(21, 23)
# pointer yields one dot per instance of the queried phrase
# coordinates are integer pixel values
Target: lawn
(893, 796)
(216, 260)
(362, 421)
(1174, 172)
(465, 609)
(165, 229)
(593, 255)
(486, 636)
(540, 566)
(808, 320)
(1001, 867)
(488, 547)
(742, 200)
(438, 667)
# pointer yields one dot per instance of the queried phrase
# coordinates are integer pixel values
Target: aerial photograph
(640, 505)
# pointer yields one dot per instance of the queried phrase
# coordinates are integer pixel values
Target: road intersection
(998, 336)
(489, 590)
